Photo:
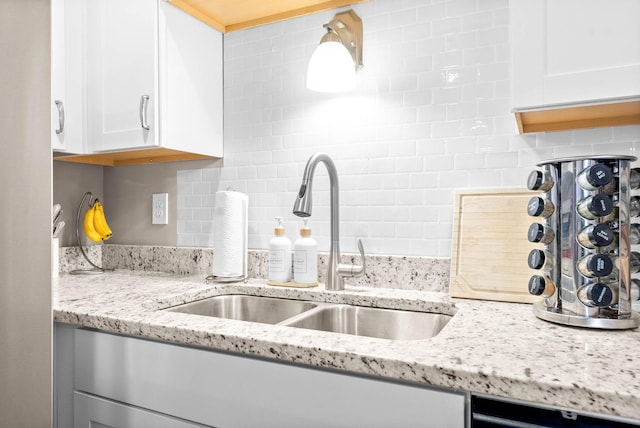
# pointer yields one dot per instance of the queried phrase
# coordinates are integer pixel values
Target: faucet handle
(353, 270)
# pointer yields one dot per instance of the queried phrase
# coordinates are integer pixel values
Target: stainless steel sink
(393, 324)
(372, 322)
(266, 310)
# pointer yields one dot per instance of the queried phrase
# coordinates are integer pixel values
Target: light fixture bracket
(348, 27)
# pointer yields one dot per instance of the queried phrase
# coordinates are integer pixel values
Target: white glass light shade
(331, 69)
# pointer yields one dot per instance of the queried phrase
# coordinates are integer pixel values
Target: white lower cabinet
(198, 386)
(96, 412)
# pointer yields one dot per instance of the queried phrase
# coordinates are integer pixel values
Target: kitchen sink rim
(320, 305)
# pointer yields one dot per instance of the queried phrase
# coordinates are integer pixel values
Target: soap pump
(305, 257)
(279, 255)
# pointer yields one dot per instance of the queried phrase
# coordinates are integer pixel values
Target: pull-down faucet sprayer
(302, 208)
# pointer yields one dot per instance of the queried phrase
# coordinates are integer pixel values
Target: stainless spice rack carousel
(585, 232)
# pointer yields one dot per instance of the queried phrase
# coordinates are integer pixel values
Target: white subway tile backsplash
(424, 180)
(493, 72)
(409, 164)
(396, 181)
(493, 37)
(416, 131)
(462, 110)
(629, 133)
(479, 55)
(416, 31)
(469, 161)
(193, 201)
(432, 146)
(458, 8)
(431, 12)
(431, 113)
(493, 4)
(502, 160)
(446, 26)
(478, 126)
(478, 91)
(461, 41)
(447, 95)
(477, 21)
(449, 128)
(402, 18)
(454, 179)
(621, 148)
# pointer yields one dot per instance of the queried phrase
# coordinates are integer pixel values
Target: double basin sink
(379, 323)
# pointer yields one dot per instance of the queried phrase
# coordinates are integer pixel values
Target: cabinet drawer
(227, 390)
(96, 412)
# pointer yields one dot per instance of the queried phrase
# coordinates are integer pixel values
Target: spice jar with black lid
(595, 265)
(595, 206)
(596, 236)
(595, 176)
(541, 286)
(540, 181)
(539, 207)
(540, 233)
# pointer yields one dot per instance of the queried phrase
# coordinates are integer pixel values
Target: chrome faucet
(336, 272)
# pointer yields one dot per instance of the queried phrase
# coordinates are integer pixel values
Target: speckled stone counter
(488, 347)
(400, 272)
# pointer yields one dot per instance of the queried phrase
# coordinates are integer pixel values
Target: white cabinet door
(154, 78)
(96, 412)
(67, 76)
(574, 51)
(121, 75)
(226, 390)
(190, 83)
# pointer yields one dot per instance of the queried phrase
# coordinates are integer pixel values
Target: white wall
(431, 114)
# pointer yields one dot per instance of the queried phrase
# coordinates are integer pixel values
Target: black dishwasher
(489, 412)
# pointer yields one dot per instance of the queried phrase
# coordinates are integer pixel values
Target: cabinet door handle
(60, 107)
(144, 101)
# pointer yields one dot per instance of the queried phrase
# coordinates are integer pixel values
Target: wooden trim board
(132, 157)
(234, 15)
(490, 246)
(578, 117)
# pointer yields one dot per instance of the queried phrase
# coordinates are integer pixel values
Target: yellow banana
(100, 222)
(89, 229)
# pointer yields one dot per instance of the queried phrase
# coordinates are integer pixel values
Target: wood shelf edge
(133, 157)
(277, 13)
(578, 117)
(289, 14)
(188, 8)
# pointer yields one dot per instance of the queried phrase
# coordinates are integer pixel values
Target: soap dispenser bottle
(305, 257)
(279, 255)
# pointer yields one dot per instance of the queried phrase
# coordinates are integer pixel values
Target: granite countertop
(496, 348)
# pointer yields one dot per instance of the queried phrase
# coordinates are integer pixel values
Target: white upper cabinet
(121, 70)
(153, 84)
(67, 76)
(574, 51)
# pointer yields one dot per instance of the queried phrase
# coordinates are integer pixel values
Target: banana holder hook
(88, 198)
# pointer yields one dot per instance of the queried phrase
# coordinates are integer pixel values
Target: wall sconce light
(334, 63)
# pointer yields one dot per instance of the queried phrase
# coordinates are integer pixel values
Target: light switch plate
(159, 208)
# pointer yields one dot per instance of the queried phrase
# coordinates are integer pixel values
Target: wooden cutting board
(490, 245)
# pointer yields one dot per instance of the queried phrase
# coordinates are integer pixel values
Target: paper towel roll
(230, 234)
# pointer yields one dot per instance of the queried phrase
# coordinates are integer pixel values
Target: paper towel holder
(220, 279)
(226, 279)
